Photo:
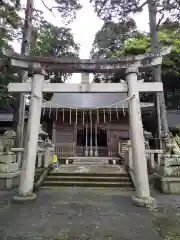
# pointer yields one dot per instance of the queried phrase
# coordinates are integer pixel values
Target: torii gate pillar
(25, 191)
(142, 197)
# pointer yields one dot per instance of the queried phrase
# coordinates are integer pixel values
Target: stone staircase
(89, 174)
(57, 179)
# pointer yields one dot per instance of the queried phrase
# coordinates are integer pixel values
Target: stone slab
(9, 167)
(7, 158)
(169, 171)
(91, 168)
(10, 175)
(167, 185)
(9, 180)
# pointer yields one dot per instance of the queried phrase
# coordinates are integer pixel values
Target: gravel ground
(76, 214)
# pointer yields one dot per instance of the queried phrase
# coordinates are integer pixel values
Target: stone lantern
(9, 169)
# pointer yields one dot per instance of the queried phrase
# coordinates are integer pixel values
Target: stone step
(92, 158)
(90, 163)
(90, 178)
(122, 189)
(87, 184)
(68, 166)
(88, 174)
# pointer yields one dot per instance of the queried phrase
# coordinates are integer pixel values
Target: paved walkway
(73, 168)
(76, 214)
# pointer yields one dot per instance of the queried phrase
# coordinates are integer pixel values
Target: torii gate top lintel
(75, 65)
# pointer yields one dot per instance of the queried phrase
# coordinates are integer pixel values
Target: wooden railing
(72, 151)
(64, 150)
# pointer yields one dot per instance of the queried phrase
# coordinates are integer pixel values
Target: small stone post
(142, 197)
(29, 159)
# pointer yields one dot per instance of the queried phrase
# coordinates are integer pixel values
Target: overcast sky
(84, 27)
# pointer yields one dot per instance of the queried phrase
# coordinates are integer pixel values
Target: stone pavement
(73, 168)
(83, 214)
(167, 216)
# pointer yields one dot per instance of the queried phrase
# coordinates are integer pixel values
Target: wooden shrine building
(90, 124)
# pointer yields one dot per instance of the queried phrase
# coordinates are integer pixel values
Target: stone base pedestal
(91, 153)
(167, 185)
(8, 158)
(167, 178)
(86, 153)
(146, 202)
(31, 197)
(9, 167)
(96, 153)
(9, 181)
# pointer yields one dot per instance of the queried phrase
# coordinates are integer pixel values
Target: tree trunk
(27, 31)
(160, 102)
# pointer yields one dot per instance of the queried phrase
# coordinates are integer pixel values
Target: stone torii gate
(131, 66)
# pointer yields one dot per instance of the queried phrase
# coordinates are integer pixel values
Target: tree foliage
(109, 41)
(60, 39)
(169, 34)
(9, 18)
(110, 38)
(120, 9)
(55, 41)
(66, 8)
(7, 75)
(10, 22)
(167, 37)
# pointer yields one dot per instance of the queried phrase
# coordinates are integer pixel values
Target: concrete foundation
(9, 181)
(167, 185)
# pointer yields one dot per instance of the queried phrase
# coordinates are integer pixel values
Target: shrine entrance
(93, 140)
(131, 65)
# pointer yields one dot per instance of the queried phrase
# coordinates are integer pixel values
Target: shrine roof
(90, 101)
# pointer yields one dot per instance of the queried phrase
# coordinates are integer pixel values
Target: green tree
(121, 9)
(9, 24)
(9, 18)
(8, 74)
(110, 39)
(66, 8)
(169, 34)
(55, 41)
